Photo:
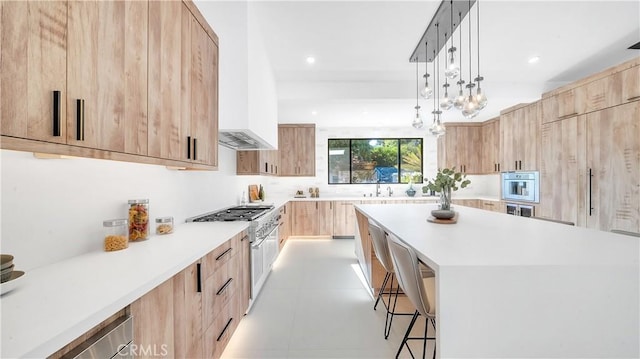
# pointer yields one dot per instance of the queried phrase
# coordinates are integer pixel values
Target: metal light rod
(442, 17)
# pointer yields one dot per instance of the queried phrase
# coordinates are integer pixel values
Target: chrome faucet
(389, 191)
(378, 188)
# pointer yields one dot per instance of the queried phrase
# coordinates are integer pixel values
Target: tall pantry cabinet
(590, 153)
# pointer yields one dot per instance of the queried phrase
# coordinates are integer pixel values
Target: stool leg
(393, 310)
(384, 284)
(389, 317)
(433, 322)
(406, 335)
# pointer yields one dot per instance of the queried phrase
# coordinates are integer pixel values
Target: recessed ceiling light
(311, 60)
(314, 112)
(534, 59)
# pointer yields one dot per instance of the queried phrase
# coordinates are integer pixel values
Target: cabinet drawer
(219, 257)
(217, 336)
(220, 288)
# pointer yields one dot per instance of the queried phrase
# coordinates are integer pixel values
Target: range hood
(242, 140)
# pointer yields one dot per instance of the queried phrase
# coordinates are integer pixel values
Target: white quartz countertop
(55, 304)
(398, 198)
(517, 287)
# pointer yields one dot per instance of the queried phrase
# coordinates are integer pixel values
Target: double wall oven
(518, 187)
(263, 236)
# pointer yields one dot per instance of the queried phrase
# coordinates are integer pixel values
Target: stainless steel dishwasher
(114, 340)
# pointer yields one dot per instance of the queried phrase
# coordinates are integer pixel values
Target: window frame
(398, 139)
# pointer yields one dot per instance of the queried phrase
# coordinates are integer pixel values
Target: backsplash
(52, 209)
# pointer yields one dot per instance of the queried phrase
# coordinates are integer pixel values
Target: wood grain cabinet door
(629, 82)
(153, 324)
(304, 218)
(107, 75)
(187, 310)
(325, 218)
(613, 157)
(344, 219)
(204, 96)
(166, 95)
(33, 65)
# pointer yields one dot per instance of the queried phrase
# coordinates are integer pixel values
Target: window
(387, 160)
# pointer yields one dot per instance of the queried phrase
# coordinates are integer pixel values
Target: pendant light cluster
(468, 103)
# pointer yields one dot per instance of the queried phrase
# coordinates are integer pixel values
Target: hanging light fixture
(452, 69)
(458, 102)
(426, 90)
(470, 108)
(417, 121)
(439, 129)
(434, 124)
(481, 98)
(446, 103)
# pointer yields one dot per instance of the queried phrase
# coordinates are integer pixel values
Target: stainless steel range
(263, 235)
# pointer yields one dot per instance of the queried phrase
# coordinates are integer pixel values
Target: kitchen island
(513, 287)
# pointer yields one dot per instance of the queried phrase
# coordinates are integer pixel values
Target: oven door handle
(258, 243)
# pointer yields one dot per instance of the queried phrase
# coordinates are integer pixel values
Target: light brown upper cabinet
(491, 146)
(629, 80)
(132, 81)
(107, 75)
(262, 162)
(297, 149)
(33, 70)
(183, 93)
(462, 147)
(520, 137)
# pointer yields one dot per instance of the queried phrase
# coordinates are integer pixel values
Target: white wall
(53, 209)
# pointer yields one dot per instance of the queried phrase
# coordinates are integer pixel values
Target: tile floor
(313, 305)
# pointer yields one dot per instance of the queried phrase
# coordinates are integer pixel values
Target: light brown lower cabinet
(194, 314)
(344, 218)
(312, 218)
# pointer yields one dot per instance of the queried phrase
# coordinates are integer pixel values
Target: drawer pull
(224, 287)
(80, 120)
(566, 116)
(188, 147)
(199, 274)
(224, 329)
(224, 254)
(195, 149)
(244, 238)
(633, 98)
(56, 113)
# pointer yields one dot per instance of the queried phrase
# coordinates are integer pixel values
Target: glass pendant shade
(433, 127)
(426, 91)
(458, 102)
(453, 70)
(470, 108)
(481, 99)
(439, 129)
(417, 121)
(446, 102)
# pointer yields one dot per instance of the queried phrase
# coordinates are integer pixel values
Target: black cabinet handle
(199, 274)
(244, 238)
(80, 120)
(271, 168)
(498, 167)
(516, 162)
(223, 254)
(195, 149)
(520, 163)
(224, 330)
(495, 167)
(224, 287)
(590, 182)
(188, 147)
(56, 113)
(276, 169)
(633, 98)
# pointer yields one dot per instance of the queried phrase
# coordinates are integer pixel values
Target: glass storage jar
(138, 219)
(115, 234)
(164, 225)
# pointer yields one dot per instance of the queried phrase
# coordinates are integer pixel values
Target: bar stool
(421, 291)
(381, 249)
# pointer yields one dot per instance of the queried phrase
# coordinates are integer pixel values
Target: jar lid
(138, 201)
(114, 222)
(164, 219)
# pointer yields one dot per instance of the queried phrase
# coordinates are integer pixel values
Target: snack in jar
(138, 219)
(115, 234)
(164, 225)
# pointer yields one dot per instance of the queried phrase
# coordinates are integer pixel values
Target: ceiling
(362, 75)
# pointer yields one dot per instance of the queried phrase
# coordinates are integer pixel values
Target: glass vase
(445, 199)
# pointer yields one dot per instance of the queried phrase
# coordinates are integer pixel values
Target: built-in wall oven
(521, 186)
